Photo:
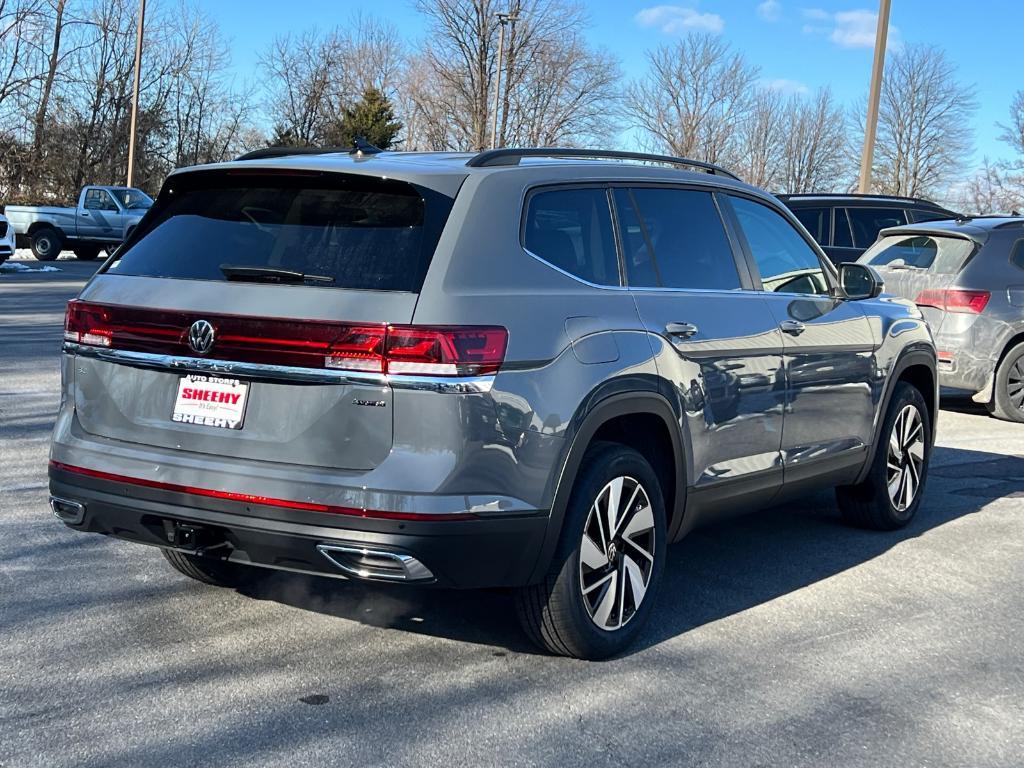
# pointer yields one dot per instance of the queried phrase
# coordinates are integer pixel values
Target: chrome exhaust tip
(375, 564)
(66, 510)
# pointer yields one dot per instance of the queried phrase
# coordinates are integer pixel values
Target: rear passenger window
(939, 255)
(922, 215)
(868, 222)
(786, 262)
(816, 221)
(674, 238)
(1017, 257)
(841, 237)
(572, 229)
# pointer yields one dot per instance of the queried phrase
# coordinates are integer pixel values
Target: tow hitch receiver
(194, 537)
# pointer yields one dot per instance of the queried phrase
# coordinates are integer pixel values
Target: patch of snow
(14, 266)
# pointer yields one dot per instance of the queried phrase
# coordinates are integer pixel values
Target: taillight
(397, 349)
(473, 351)
(954, 300)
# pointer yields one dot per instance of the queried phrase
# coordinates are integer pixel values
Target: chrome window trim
(284, 373)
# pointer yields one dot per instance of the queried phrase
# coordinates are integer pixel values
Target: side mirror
(859, 281)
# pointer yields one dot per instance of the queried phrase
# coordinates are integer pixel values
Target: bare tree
(924, 133)
(814, 151)
(992, 189)
(762, 140)
(554, 88)
(693, 99)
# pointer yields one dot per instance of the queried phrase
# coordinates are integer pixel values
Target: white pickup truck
(104, 217)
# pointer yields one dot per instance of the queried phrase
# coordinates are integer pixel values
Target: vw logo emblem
(200, 336)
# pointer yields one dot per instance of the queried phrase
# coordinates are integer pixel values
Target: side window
(786, 262)
(1017, 256)
(572, 230)
(815, 220)
(674, 238)
(868, 222)
(917, 214)
(99, 200)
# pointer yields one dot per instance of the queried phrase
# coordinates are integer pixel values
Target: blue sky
(796, 44)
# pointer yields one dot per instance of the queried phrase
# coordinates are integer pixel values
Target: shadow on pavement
(714, 573)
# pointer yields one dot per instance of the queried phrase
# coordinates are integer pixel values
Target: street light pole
(503, 19)
(135, 92)
(874, 96)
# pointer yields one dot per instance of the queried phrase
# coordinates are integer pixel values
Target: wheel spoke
(591, 554)
(642, 521)
(622, 594)
(909, 488)
(636, 580)
(607, 604)
(614, 497)
(626, 509)
(915, 431)
(603, 580)
(916, 451)
(641, 550)
(894, 486)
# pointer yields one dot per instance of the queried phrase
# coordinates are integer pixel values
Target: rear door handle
(792, 327)
(681, 330)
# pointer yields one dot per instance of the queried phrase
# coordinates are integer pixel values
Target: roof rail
(497, 157)
(863, 196)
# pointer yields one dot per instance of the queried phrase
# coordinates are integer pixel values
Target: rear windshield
(940, 255)
(348, 231)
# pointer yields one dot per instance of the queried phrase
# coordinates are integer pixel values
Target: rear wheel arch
(643, 421)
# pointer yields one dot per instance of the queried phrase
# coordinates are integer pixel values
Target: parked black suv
(847, 225)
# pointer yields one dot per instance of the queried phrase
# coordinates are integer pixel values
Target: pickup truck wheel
(891, 494)
(87, 253)
(209, 570)
(604, 576)
(46, 244)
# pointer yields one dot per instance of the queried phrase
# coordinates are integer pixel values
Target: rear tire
(47, 244)
(890, 495)
(1008, 395)
(598, 592)
(208, 570)
(87, 253)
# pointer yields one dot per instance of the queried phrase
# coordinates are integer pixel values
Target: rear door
(720, 344)
(827, 342)
(300, 360)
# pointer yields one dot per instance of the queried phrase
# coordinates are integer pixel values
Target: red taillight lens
(398, 349)
(445, 351)
(954, 300)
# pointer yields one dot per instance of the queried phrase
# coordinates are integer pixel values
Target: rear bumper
(486, 551)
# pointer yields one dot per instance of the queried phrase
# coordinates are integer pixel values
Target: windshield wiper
(270, 275)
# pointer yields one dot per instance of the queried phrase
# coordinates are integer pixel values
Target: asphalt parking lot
(782, 638)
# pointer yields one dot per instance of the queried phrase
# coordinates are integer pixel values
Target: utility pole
(135, 92)
(503, 19)
(874, 96)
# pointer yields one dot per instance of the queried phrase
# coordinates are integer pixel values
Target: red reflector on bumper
(246, 498)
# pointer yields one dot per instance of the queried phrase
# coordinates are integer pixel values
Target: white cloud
(848, 29)
(770, 10)
(678, 20)
(782, 85)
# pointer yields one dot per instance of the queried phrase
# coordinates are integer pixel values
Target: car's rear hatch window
(913, 263)
(341, 230)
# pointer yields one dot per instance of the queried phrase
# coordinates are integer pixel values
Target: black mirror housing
(859, 281)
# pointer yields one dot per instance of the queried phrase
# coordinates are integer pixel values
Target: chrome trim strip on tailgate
(283, 373)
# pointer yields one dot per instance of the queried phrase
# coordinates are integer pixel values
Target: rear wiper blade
(270, 275)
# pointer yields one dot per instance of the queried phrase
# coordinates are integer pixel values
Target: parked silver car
(967, 276)
(530, 369)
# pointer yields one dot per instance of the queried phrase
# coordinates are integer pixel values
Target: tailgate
(247, 316)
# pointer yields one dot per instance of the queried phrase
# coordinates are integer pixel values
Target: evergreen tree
(372, 118)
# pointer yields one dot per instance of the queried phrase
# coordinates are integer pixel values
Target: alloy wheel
(617, 553)
(905, 461)
(1015, 384)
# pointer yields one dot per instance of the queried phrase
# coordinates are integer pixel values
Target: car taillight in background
(386, 349)
(954, 300)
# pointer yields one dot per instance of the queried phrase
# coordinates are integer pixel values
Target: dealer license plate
(210, 401)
